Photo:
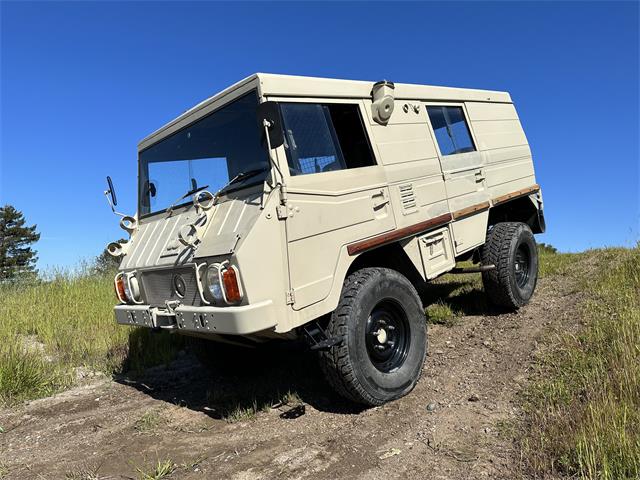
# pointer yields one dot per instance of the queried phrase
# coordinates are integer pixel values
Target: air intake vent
(408, 198)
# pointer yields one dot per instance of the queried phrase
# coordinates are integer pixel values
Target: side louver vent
(408, 198)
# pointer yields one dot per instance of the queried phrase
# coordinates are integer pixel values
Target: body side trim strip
(469, 210)
(399, 234)
(519, 193)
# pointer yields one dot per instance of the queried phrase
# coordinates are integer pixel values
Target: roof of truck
(296, 86)
(276, 85)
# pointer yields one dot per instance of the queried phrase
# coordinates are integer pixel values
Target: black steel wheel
(382, 332)
(522, 264)
(387, 336)
(511, 247)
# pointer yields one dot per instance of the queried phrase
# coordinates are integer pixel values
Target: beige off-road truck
(288, 207)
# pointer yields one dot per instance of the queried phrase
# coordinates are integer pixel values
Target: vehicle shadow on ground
(285, 376)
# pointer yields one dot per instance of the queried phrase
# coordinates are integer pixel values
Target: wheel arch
(524, 209)
(392, 256)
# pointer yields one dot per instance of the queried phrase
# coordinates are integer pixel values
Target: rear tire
(383, 331)
(511, 247)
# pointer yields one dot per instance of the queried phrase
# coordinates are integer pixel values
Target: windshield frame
(188, 120)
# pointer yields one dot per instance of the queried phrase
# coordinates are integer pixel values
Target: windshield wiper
(188, 194)
(239, 177)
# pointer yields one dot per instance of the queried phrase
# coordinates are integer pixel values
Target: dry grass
(584, 411)
(48, 328)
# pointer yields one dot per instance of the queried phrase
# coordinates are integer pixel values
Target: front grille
(158, 287)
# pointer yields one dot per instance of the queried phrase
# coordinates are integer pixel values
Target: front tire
(511, 247)
(382, 330)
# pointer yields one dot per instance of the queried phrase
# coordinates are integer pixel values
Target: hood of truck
(155, 242)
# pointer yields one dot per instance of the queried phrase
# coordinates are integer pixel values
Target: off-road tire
(505, 285)
(348, 366)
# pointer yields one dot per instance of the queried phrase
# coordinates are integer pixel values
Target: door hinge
(282, 212)
(291, 297)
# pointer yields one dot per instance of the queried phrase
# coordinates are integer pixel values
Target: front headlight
(214, 284)
(132, 288)
(223, 283)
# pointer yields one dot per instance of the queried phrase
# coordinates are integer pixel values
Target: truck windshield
(210, 151)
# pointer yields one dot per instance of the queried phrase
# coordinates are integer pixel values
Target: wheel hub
(381, 336)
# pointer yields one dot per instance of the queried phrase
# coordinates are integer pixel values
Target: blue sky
(82, 83)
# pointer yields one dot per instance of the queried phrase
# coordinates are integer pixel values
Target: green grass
(239, 412)
(441, 313)
(161, 469)
(84, 473)
(47, 328)
(150, 421)
(584, 409)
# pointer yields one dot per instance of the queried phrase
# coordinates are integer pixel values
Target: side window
(324, 137)
(451, 129)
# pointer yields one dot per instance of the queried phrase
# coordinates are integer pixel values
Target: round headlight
(132, 288)
(213, 282)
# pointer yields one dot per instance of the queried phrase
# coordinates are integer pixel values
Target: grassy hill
(53, 331)
(581, 410)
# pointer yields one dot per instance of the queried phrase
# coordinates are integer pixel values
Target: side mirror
(111, 192)
(269, 120)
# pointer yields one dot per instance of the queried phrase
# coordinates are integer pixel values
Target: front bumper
(241, 320)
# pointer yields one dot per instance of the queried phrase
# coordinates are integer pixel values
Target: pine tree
(16, 255)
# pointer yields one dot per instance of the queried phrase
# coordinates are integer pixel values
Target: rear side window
(324, 137)
(451, 129)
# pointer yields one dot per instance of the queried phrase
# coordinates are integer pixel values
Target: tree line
(18, 257)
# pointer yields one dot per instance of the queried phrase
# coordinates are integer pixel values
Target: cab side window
(451, 129)
(324, 137)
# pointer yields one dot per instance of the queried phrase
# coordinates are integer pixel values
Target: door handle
(379, 200)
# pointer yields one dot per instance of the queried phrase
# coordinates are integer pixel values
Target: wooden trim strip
(469, 210)
(399, 234)
(520, 193)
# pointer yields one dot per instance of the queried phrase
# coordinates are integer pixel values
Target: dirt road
(454, 425)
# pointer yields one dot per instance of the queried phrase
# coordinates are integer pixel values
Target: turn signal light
(231, 285)
(119, 287)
